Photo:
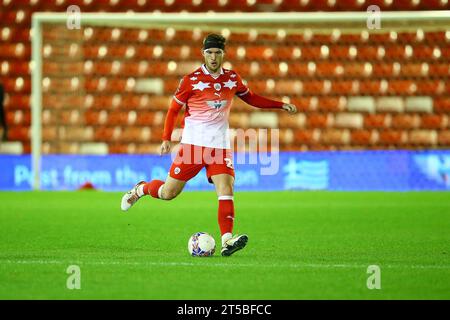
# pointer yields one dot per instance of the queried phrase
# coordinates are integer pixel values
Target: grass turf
(302, 245)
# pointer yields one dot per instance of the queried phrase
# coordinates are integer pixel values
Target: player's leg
(224, 190)
(181, 171)
(222, 175)
(164, 190)
(156, 188)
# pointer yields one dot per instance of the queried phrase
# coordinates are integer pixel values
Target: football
(201, 244)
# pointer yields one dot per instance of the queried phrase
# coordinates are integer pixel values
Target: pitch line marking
(240, 265)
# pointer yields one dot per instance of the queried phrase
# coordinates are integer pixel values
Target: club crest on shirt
(217, 86)
(217, 104)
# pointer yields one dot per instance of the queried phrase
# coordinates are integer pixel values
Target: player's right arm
(179, 100)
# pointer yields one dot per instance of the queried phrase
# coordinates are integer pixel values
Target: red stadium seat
(70, 117)
(92, 117)
(132, 68)
(392, 137)
(116, 117)
(377, 121)
(107, 134)
(299, 69)
(159, 102)
(130, 101)
(303, 104)
(383, 69)
(412, 70)
(21, 17)
(135, 134)
(349, 38)
(444, 138)
(318, 120)
(400, 87)
(19, 85)
(118, 148)
(313, 87)
(341, 87)
(50, 133)
(338, 52)
(423, 137)
(283, 52)
(423, 52)
(329, 104)
(406, 37)
(286, 137)
(145, 118)
(17, 101)
(369, 87)
(368, 52)
(442, 105)
(428, 87)
(405, 121)
(18, 117)
(312, 52)
(288, 87)
(146, 148)
(239, 120)
(363, 137)
(19, 133)
(76, 133)
(289, 121)
(354, 70)
(15, 51)
(334, 137)
(267, 69)
(326, 69)
(306, 136)
(440, 69)
(255, 52)
(434, 121)
(379, 38)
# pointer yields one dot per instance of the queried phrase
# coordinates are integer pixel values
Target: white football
(201, 244)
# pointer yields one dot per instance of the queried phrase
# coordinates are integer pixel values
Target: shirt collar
(206, 71)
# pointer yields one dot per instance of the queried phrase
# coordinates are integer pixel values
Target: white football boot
(131, 197)
(234, 244)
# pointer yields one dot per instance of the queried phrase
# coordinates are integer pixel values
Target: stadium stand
(375, 91)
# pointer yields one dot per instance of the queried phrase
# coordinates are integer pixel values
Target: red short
(191, 159)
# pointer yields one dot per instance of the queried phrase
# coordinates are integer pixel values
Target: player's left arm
(264, 103)
(257, 101)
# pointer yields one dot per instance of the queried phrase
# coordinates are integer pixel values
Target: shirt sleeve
(183, 91)
(242, 89)
(179, 100)
(171, 117)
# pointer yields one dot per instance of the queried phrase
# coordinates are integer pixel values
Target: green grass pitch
(302, 245)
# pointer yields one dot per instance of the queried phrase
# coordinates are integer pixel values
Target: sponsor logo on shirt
(217, 104)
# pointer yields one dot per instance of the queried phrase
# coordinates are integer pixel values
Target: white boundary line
(225, 265)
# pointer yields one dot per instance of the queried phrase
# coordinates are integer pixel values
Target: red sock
(152, 188)
(226, 214)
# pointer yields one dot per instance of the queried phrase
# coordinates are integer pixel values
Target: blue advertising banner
(337, 170)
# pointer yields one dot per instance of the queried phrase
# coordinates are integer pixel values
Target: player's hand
(290, 108)
(165, 147)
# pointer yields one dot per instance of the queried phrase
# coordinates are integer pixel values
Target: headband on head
(213, 43)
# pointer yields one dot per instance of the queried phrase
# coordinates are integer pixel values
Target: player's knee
(225, 190)
(170, 194)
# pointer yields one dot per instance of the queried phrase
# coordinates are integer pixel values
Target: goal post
(271, 23)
